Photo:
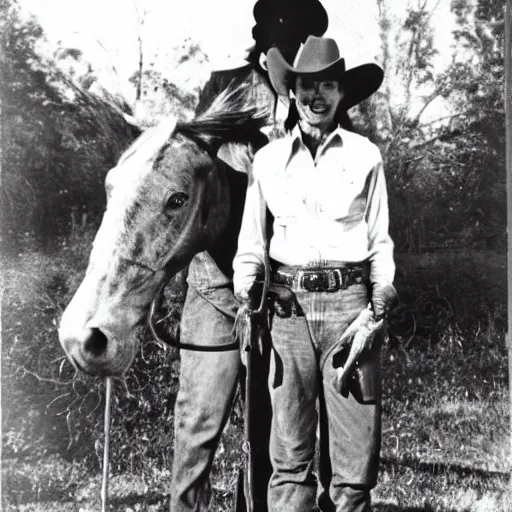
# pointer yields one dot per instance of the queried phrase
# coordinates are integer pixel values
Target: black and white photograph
(254, 255)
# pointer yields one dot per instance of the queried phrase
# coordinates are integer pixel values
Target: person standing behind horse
(326, 190)
(208, 381)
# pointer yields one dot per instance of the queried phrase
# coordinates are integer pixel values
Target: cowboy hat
(293, 18)
(320, 59)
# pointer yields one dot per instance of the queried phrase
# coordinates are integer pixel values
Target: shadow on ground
(395, 508)
(442, 468)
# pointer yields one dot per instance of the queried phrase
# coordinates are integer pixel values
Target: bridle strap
(223, 347)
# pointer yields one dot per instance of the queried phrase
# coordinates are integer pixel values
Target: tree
(479, 131)
(445, 176)
(160, 95)
(59, 139)
(394, 117)
(141, 14)
(27, 105)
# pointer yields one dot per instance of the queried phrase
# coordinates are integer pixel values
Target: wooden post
(508, 114)
(106, 446)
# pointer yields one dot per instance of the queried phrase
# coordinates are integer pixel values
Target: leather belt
(326, 279)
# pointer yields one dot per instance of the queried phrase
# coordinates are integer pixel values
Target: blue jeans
(301, 369)
(208, 382)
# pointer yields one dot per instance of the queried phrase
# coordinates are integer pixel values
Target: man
(326, 190)
(208, 381)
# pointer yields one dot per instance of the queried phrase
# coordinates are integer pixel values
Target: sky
(106, 31)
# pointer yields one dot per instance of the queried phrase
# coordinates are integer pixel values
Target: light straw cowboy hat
(320, 59)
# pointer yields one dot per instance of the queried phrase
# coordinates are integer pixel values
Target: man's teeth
(318, 109)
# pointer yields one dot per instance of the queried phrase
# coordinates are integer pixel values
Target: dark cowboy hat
(320, 58)
(295, 18)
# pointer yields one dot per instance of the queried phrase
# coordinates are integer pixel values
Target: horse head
(167, 200)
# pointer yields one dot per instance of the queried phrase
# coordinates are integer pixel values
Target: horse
(168, 198)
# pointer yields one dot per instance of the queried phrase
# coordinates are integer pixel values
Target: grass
(446, 434)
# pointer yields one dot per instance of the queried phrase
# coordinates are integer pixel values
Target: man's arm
(380, 245)
(250, 256)
(360, 334)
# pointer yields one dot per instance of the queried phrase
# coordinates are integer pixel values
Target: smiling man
(208, 380)
(325, 187)
(317, 103)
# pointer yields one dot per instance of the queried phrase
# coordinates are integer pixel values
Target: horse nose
(96, 343)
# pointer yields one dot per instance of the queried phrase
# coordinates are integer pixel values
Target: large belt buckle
(317, 281)
(342, 278)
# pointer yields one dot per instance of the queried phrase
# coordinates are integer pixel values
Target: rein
(224, 347)
(234, 345)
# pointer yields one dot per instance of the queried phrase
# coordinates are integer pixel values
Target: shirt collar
(297, 142)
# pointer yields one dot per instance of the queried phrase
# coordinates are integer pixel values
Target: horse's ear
(237, 155)
(141, 118)
(133, 122)
(207, 143)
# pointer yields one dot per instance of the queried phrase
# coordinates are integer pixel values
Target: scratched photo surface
(108, 190)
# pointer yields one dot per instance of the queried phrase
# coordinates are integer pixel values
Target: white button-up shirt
(333, 207)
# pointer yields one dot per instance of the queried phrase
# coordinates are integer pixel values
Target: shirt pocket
(344, 198)
(282, 197)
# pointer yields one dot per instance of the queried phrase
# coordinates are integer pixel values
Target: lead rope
(106, 430)
(162, 343)
(244, 330)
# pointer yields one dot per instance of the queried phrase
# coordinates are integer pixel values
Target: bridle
(223, 347)
(155, 303)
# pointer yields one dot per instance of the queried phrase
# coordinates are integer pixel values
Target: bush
(447, 345)
(453, 292)
(49, 408)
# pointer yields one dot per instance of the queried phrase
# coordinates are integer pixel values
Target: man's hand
(248, 319)
(359, 334)
(242, 329)
(251, 295)
(384, 298)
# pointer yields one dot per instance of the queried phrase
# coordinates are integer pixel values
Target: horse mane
(233, 116)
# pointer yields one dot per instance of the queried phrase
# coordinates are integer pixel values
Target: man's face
(317, 101)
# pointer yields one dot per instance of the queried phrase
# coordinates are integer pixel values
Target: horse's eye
(177, 200)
